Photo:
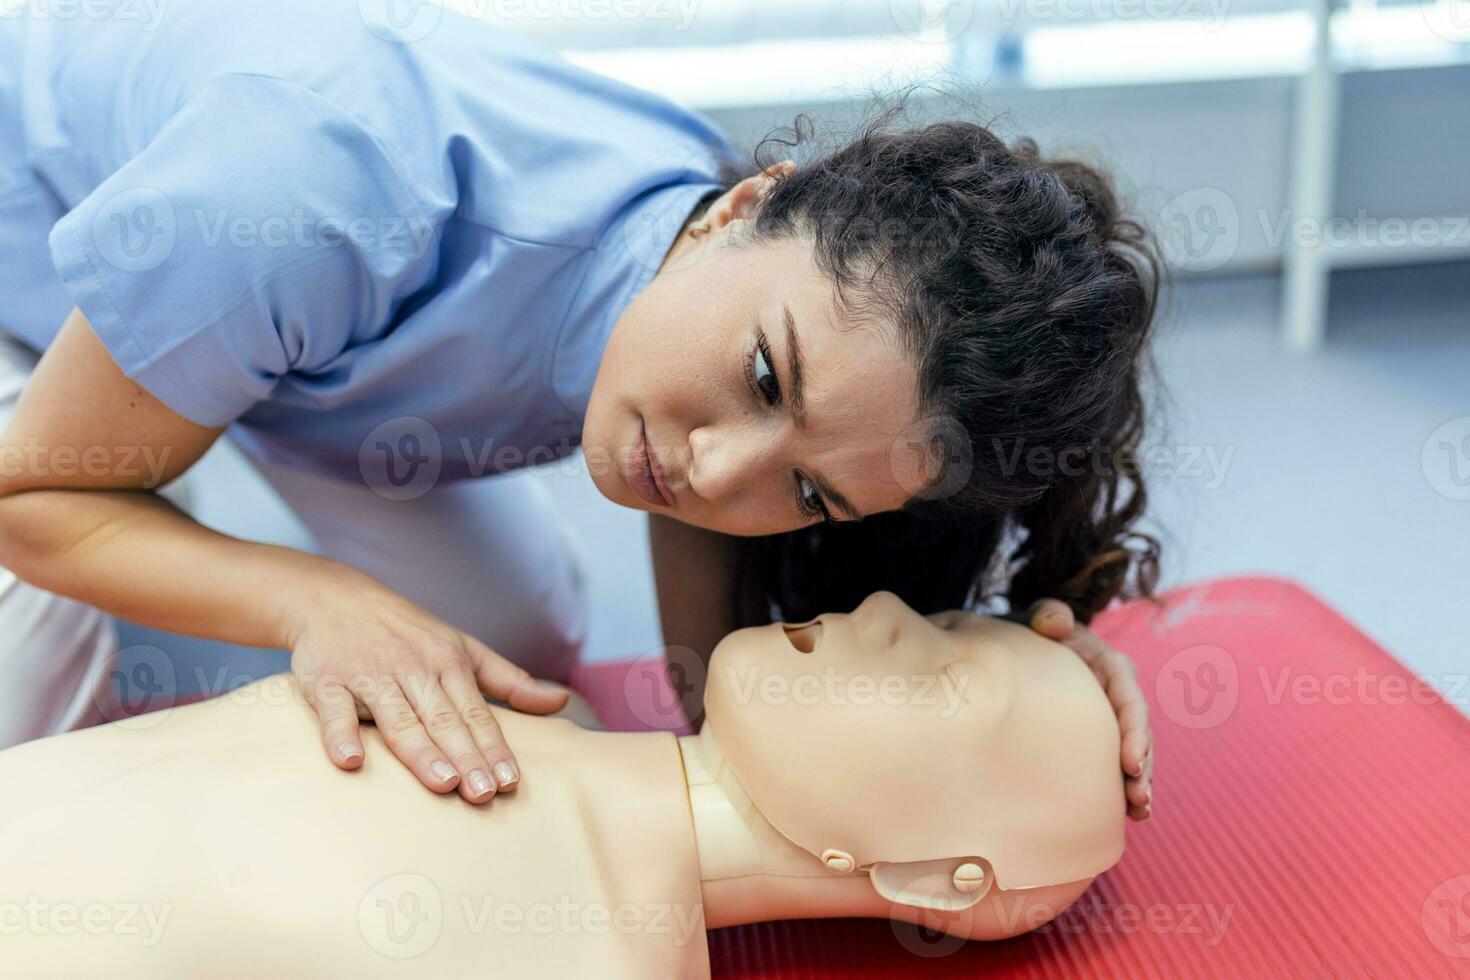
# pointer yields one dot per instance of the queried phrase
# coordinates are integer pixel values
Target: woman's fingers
(506, 682)
(1140, 792)
(1052, 618)
(336, 710)
(1119, 679)
(404, 732)
(450, 731)
(1133, 722)
(419, 681)
(478, 716)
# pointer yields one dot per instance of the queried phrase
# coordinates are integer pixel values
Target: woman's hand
(362, 652)
(1119, 678)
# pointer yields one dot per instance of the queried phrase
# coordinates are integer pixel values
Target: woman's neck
(749, 872)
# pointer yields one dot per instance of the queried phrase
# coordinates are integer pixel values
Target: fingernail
(349, 750)
(1148, 798)
(480, 784)
(505, 773)
(443, 771)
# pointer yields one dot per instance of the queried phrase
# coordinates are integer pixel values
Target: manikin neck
(748, 871)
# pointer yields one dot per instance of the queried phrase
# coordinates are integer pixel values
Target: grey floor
(1314, 468)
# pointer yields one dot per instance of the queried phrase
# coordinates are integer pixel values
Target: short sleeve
(261, 231)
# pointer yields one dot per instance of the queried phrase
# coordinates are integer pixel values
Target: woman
(389, 262)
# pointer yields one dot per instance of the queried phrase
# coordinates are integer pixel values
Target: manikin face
(702, 370)
(896, 737)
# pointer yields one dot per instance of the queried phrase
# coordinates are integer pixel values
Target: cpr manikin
(954, 770)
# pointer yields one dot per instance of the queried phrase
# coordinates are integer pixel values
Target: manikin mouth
(804, 636)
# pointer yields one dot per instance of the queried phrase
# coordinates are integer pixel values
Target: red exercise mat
(1311, 816)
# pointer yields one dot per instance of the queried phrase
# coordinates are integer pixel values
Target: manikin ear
(740, 202)
(948, 885)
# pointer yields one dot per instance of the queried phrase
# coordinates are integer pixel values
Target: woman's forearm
(135, 555)
(694, 573)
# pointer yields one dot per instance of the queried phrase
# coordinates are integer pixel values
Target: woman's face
(761, 407)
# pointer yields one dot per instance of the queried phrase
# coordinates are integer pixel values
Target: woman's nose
(723, 460)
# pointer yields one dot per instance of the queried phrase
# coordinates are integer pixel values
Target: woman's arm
(694, 573)
(77, 517)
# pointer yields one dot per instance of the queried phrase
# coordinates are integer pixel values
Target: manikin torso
(234, 849)
(215, 840)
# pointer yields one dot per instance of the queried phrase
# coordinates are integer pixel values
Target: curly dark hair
(1027, 299)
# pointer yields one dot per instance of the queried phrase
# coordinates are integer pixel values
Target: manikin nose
(804, 636)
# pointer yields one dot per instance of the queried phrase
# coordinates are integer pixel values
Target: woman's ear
(948, 885)
(741, 201)
(780, 171)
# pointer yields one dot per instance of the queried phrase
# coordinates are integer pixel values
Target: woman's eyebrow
(793, 389)
(793, 368)
(837, 500)
(798, 410)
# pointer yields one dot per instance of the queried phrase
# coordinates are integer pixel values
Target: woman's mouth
(645, 475)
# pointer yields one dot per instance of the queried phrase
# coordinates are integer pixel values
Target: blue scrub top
(324, 222)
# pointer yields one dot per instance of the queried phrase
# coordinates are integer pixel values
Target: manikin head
(943, 755)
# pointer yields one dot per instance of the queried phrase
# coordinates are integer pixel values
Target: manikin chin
(954, 770)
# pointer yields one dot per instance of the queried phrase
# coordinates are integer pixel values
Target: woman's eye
(810, 499)
(764, 378)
